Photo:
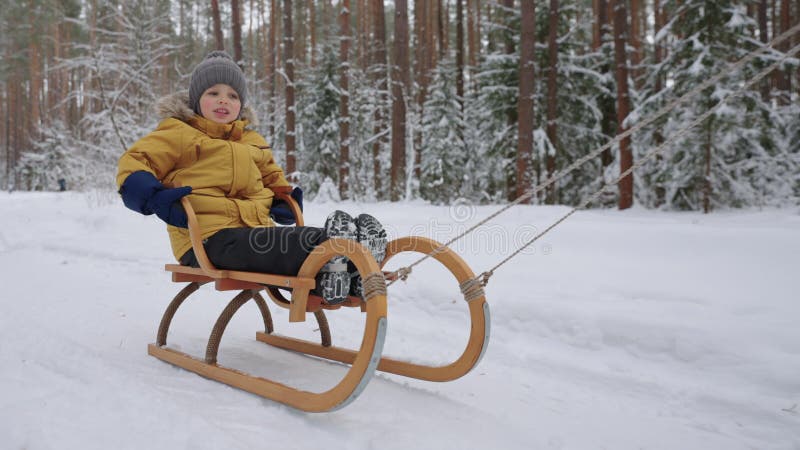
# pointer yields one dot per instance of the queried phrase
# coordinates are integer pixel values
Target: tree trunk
(53, 75)
(552, 97)
(12, 131)
(636, 42)
(362, 34)
(512, 118)
(35, 89)
(8, 124)
(4, 130)
(379, 69)
(327, 15)
(165, 63)
(527, 72)
(217, 25)
(288, 61)
(271, 64)
(420, 47)
(73, 108)
(441, 30)
(251, 50)
(596, 25)
(658, 47)
(423, 49)
(707, 171)
(460, 53)
(796, 20)
(478, 16)
(400, 85)
(623, 101)
(280, 82)
(762, 34)
(784, 76)
(344, 105)
(312, 24)
(774, 9)
(63, 74)
(600, 23)
(472, 32)
(90, 105)
(260, 49)
(775, 74)
(430, 38)
(236, 28)
(606, 102)
(7, 134)
(300, 34)
(509, 43)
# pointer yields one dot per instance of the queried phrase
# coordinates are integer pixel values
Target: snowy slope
(618, 331)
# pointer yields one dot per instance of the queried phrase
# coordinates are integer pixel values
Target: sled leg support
(363, 363)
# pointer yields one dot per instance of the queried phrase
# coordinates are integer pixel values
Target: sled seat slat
(233, 280)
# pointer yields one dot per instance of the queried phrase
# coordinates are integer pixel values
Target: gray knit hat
(217, 67)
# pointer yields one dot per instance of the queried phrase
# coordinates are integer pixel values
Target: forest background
(471, 101)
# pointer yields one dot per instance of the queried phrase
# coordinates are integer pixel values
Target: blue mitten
(280, 211)
(143, 193)
(166, 205)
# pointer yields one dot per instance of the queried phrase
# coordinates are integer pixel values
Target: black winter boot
(333, 280)
(370, 234)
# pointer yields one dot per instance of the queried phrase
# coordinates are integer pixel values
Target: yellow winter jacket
(229, 167)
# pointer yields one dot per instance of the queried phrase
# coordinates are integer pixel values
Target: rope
(472, 289)
(172, 308)
(374, 284)
(405, 271)
(222, 322)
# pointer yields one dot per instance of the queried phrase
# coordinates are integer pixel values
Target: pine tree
(491, 110)
(443, 163)
(51, 158)
(319, 106)
(738, 156)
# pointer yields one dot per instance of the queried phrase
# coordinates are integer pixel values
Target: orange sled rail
(363, 361)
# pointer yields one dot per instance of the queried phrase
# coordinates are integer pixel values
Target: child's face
(220, 103)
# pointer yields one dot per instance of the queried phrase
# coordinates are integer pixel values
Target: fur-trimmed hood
(177, 105)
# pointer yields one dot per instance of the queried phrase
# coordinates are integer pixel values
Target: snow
(619, 330)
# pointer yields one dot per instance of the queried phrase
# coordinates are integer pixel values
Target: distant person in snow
(203, 148)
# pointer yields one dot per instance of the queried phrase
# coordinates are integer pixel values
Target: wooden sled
(363, 362)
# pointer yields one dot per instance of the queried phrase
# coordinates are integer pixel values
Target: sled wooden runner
(363, 361)
(476, 344)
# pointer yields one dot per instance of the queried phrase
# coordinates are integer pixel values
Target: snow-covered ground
(619, 330)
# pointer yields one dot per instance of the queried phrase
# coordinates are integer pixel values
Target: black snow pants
(275, 250)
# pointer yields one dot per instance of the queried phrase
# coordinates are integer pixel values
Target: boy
(203, 146)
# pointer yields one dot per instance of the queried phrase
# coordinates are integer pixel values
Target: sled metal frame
(363, 362)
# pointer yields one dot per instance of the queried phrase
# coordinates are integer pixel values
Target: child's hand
(280, 211)
(166, 205)
(143, 193)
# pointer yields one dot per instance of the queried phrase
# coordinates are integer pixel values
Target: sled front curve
(479, 323)
(363, 364)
